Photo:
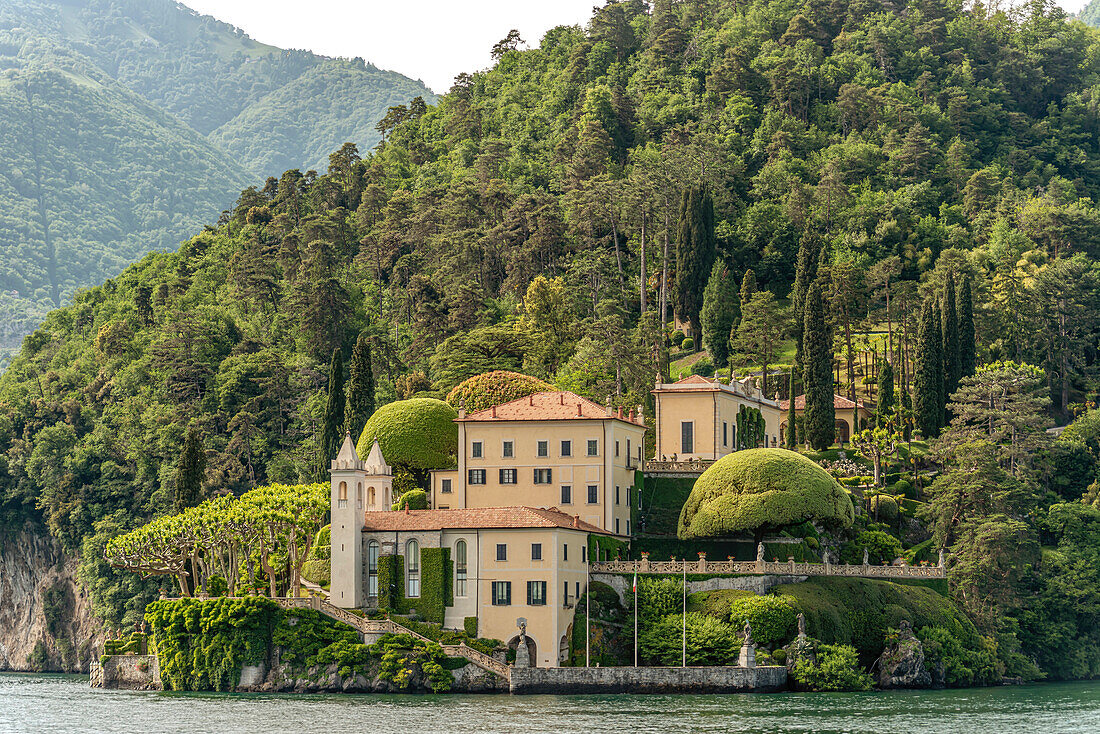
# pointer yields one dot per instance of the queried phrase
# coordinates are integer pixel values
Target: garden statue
(748, 633)
(866, 557)
(801, 626)
(759, 552)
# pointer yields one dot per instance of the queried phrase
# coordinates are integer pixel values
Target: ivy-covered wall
(202, 644)
(603, 548)
(391, 583)
(435, 584)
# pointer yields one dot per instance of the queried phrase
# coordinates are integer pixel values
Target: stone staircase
(389, 627)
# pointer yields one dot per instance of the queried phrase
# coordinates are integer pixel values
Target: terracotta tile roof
(839, 403)
(549, 406)
(475, 518)
(699, 383)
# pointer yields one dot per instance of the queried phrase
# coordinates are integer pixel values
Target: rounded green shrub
(483, 391)
(771, 617)
(837, 669)
(884, 507)
(880, 546)
(417, 499)
(904, 488)
(677, 337)
(687, 344)
(703, 367)
(419, 433)
(760, 489)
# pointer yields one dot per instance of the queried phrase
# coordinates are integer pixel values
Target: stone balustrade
(758, 568)
(692, 466)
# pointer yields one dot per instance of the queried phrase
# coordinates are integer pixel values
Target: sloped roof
(699, 383)
(839, 403)
(548, 406)
(476, 518)
(376, 463)
(348, 458)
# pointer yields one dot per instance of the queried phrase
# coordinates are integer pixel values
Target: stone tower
(346, 506)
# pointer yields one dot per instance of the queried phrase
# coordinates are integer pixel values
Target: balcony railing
(777, 568)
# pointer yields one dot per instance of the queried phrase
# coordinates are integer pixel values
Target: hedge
(391, 583)
(416, 499)
(318, 571)
(435, 591)
(469, 626)
(762, 488)
(772, 617)
(419, 433)
(610, 548)
(483, 391)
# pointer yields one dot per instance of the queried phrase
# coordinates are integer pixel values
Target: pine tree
(694, 256)
(928, 377)
(720, 311)
(334, 410)
(361, 399)
(952, 366)
(885, 411)
(820, 418)
(190, 471)
(964, 310)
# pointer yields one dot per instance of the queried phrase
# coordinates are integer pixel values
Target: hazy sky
(431, 40)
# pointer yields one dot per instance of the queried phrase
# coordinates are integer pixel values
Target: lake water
(67, 705)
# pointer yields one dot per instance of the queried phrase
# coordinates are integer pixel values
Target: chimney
(531, 400)
(561, 398)
(631, 418)
(576, 521)
(579, 414)
(494, 409)
(620, 412)
(407, 509)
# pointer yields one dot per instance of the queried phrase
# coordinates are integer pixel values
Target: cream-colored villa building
(508, 562)
(843, 408)
(552, 449)
(697, 417)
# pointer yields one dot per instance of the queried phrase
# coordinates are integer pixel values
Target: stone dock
(762, 679)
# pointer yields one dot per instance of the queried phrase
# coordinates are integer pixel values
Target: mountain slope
(284, 130)
(97, 177)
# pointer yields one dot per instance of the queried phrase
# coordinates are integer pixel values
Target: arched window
(359, 496)
(460, 568)
(343, 496)
(412, 569)
(372, 568)
(370, 497)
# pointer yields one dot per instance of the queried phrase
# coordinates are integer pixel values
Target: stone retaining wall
(756, 584)
(127, 672)
(649, 680)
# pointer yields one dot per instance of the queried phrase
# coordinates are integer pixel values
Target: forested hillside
(552, 213)
(129, 124)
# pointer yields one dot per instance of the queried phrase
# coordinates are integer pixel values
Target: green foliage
(391, 583)
(332, 433)
(762, 488)
(415, 499)
(837, 669)
(961, 667)
(720, 312)
(403, 656)
(419, 433)
(190, 471)
(929, 378)
(201, 645)
(772, 617)
(904, 488)
(858, 612)
(688, 344)
(817, 374)
(710, 641)
(301, 634)
(469, 625)
(135, 643)
(695, 251)
(318, 570)
(881, 547)
(883, 507)
(494, 388)
(716, 603)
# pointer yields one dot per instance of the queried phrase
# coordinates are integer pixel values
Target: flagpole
(635, 615)
(684, 616)
(587, 609)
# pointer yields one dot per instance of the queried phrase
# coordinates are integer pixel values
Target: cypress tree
(907, 415)
(361, 399)
(952, 367)
(820, 418)
(809, 250)
(748, 287)
(720, 311)
(190, 471)
(694, 256)
(885, 410)
(331, 432)
(928, 377)
(792, 430)
(964, 310)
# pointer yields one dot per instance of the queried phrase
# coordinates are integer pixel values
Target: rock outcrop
(46, 621)
(902, 663)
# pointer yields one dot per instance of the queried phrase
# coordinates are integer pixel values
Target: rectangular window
(628, 451)
(536, 551)
(446, 488)
(566, 494)
(507, 476)
(542, 449)
(628, 527)
(584, 554)
(593, 447)
(475, 449)
(565, 554)
(477, 476)
(536, 593)
(578, 596)
(565, 595)
(687, 437)
(616, 526)
(616, 494)
(502, 551)
(616, 449)
(508, 450)
(566, 448)
(725, 433)
(502, 593)
(593, 494)
(542, 476)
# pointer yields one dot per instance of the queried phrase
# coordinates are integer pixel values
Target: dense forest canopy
(552, 213)
(129, 124)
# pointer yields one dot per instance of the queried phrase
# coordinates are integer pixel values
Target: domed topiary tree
(761, 490)
(418, 434)
(483, 391)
